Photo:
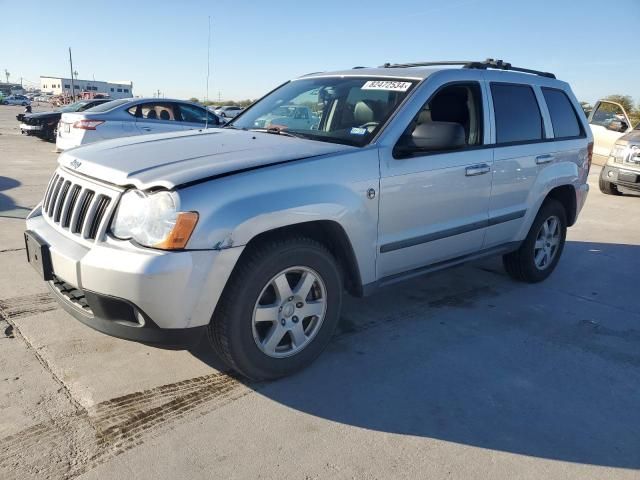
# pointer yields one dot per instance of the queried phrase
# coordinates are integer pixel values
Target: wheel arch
(566, 195)
(332, 235)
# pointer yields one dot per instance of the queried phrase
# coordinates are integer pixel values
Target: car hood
(172, 159)
(632, 137)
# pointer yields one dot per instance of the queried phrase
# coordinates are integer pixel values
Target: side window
(193, 114)
(608, 113)
(518, 117)
(154, 111)
(563, 116)
(450, 120)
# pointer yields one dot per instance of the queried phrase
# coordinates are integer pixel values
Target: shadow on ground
(8, 208)
(467, 356)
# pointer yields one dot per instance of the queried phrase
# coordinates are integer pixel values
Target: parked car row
(228, 111)
(45, 124)
(16, 100)
(90, 121)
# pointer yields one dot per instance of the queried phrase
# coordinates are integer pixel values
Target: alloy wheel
(547, 242)
(289, 312)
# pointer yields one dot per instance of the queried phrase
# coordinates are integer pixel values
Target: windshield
(74, 107)
(105, 107)
(348, 110)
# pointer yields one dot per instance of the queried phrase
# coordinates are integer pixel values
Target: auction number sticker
(387, 85)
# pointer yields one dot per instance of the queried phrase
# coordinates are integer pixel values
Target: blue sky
(257, 45)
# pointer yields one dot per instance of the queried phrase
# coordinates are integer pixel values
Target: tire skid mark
(27, 305)
(70, 445)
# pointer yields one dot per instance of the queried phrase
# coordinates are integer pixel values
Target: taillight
(589, 156)
(87, 124)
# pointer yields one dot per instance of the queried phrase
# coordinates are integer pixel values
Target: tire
(524, 264)
(241, 340)
(607, 187)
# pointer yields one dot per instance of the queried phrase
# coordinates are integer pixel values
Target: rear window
(105, 107)
(518, 117)
(563, 115)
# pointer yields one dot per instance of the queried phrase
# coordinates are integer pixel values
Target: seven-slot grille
(77, 206)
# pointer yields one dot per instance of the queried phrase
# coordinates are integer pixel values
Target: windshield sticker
(358, 131)
(386, 85)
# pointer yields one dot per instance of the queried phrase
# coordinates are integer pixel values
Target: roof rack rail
(488, 63)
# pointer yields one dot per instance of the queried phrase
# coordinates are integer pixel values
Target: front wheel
(279, 308)
(607, 187)
(540, 251)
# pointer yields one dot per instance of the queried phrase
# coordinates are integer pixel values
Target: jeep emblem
(75, 164)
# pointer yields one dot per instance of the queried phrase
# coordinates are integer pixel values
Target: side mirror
(618, 126)
(432, 136)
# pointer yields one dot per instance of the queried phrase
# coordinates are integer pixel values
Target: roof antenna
(206, 97)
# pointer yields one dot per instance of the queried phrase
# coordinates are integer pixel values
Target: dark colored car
(45, 124)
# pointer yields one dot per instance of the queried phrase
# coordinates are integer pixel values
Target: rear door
(609, 121)
(519, 136)
(157, 117)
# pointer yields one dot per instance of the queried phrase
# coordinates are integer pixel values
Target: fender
(236, 208)
(559, 173)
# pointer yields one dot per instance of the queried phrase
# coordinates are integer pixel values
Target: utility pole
(6, 74)
(73, 85)
(158, 93)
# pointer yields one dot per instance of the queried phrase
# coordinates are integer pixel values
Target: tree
(586, 107)
(625, 100)
(194, 100)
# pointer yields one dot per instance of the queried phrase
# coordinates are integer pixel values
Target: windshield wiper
(280, 131)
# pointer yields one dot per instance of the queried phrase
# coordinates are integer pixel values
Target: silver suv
(250, 234)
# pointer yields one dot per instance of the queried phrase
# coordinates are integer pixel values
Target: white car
(43, 98)
(228, 111)
(129, 117)
(16, 100)
(609, 121)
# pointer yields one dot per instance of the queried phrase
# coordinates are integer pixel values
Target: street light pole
(73, 87)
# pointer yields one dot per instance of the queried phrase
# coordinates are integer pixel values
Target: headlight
(153, 220)
(626, 154)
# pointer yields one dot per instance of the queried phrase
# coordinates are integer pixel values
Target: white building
(60, 86)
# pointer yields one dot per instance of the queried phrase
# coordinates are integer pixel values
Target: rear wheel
(279, 308)
(538, 255)
(607, 187)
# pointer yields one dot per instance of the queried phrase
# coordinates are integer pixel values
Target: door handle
(479, 169)
(540, 159)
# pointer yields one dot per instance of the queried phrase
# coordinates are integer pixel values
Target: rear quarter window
(564, 118)
(517, 114)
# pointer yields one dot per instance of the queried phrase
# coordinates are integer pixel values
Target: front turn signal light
(181, 232)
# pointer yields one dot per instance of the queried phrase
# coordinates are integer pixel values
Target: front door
(609, 121)
(435, 184)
